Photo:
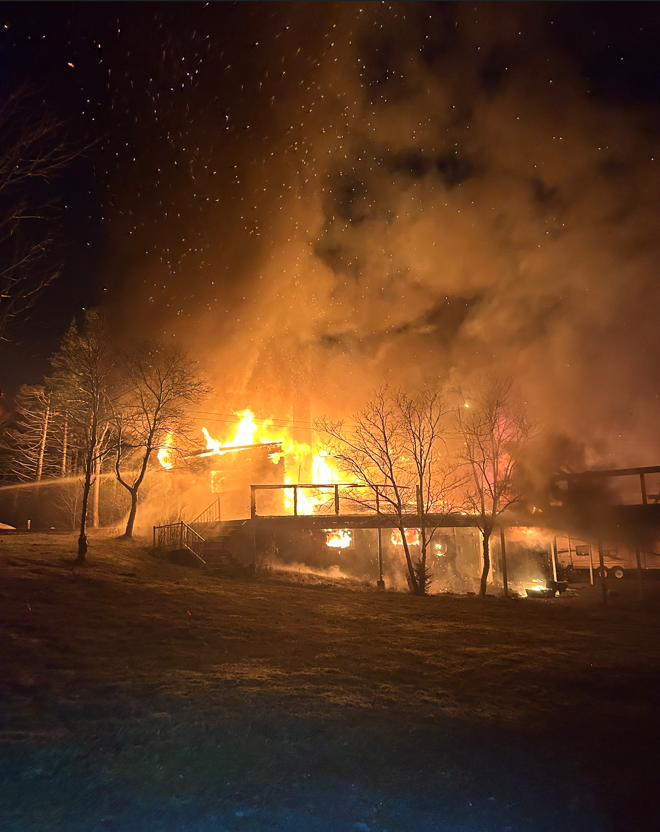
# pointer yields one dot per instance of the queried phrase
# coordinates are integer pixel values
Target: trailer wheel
(617, 572)
(602, 572)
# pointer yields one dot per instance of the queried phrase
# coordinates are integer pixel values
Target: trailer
(578, 560)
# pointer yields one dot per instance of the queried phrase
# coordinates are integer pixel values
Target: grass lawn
(132, 700)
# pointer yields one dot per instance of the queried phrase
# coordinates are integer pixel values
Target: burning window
(217, 480)
(412, 537)
(339, 538)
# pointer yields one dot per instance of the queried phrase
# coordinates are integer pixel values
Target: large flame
(165, 453)
(249, 431)
(412, 537)
(245, 434)
(338, 538)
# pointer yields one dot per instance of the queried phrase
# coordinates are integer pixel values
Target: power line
(235, 420)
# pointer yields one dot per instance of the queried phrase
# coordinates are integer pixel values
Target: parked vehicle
(578, 560)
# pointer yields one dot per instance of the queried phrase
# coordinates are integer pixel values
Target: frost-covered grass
(137, 700)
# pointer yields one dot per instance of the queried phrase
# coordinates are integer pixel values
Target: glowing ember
(165, 453)
(338, 538)
(412, 537)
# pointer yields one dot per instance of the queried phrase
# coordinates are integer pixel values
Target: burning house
(265, 503)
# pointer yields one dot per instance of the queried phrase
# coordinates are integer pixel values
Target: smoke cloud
(405, 192)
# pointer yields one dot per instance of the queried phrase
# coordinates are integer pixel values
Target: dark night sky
(362, 188)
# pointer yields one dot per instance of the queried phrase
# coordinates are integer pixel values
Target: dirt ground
(136, 700)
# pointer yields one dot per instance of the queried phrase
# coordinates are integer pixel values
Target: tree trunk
(97, 492)
(42, 445)
(412, 578)
(422, 578)
(82, 540)
(89, 467)
(65, 437)
(486, 562)
(131, 515)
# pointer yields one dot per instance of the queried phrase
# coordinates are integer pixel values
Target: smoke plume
(413, 193)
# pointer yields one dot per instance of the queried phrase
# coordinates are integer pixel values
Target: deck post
(640, 575)
(553, 558)
(381, 582)
(337, 498)
(505, 579)
(253, 501)
(295, 500)
(601, 562)
(642, 482)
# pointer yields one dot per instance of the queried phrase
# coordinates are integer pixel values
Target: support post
(602, 570)
(642, 482)
(591, 566)
(553, 558)
(155, 552)
(336, 498)
(381, 582)
(505, 579)
(253, 502)
(640, 575)
(295, 500)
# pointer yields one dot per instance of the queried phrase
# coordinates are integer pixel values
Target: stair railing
(179, 535)
(209, 515)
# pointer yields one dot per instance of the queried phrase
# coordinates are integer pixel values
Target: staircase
(219, 559)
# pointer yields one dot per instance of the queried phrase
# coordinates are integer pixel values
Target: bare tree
(159, 385)
(27, 441)
(395, 447)
(68, 502)
(493, 429)
(33, 149)
(37, 442)
(83, 378)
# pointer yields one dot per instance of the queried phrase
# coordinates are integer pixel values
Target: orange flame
(165, 453)
(249, 431)
(412, 537)
(338, 538)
